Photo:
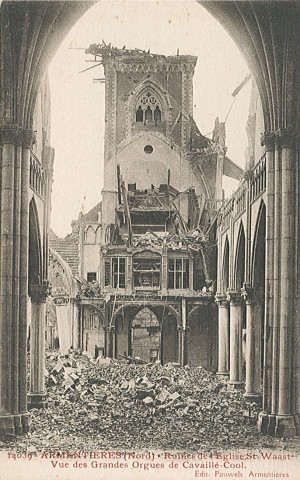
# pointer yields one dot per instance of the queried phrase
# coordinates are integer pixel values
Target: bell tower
(148, 112)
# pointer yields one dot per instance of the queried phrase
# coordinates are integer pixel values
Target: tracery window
(148, 108)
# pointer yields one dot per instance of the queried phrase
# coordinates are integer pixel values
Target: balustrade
(36, 176)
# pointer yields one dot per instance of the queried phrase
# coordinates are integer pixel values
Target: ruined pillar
(14, 221)
(110, 341)
(75, 323)
(113, 341)
(253, 346)
(236, 323)
(223, 335)
(63, 323)
(182, 334)
(285, 420)
(268, 140)
(37, 397)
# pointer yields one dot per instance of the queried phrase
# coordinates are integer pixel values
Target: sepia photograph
(149, 239)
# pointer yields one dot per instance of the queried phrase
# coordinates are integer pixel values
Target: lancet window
(148, 108)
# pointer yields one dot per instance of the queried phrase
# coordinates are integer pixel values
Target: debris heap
(124, 405)
(120, 404)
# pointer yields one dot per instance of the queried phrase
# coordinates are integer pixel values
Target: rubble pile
(106, 404)
(117, 404)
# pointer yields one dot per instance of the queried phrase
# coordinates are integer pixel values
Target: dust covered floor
(108, 404)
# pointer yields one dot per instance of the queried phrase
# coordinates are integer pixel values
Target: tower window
(157, 114)
(148, 114)
(148, 149)
(148, 108)
(139, 115)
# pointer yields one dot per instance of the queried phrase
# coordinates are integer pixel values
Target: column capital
(10, 134)
(251, 294)
(183, 330)
(221, 300)
(267, 139)
(28, 138)
(17, 136)
(39, 293)
(286, 137)
(247, 293)
(234, 297)
(61, 300)
(109, 328)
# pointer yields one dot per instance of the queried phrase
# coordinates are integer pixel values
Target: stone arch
(149, 100)
(90, 235)
(168, 322)
(240, 258)
(35, 268)
(225, 266)
(60, 276)
(259, 249)
(137, 308)
(154, 88)
(98, 234)
(258, 278)
(248, 25)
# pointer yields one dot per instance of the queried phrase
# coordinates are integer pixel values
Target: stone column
(75, 322)
(110, 341)
(182, 334)
(235, 376)
(37, 397)
(14, 174)
(63, 323)
(223, 335)
(113, 341)
(253, 346)
(285, 420)
(268, 140)
(179, 330)
(181, 345)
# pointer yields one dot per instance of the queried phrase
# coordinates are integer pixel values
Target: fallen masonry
(118, 405)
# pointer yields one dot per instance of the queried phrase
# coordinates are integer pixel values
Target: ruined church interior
(164, 269)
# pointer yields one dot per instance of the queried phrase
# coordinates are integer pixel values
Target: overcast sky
(78, 103)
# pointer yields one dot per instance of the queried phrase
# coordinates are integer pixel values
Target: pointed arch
(149, 96)
(259, 249)
(240, 258)
(90, 236)
(98, 234)
(35, 269)
(225, 266)
(146, 316)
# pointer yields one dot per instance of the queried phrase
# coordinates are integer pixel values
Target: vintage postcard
(149, 236)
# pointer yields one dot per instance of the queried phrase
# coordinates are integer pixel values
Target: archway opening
(258, 274)
(225, 270)
(240, 260)
(34, 247)
(78, 98)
